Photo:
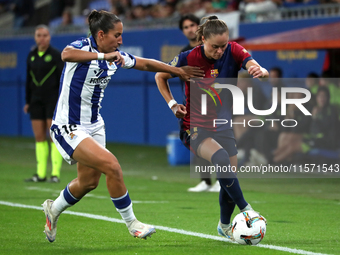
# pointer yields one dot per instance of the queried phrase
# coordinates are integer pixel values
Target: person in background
(188, 24)
(44, 67)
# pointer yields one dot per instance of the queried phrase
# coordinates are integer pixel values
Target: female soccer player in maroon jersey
(219, 58)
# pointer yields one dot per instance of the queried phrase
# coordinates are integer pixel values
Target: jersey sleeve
(130, 60)
(179, 60)
(79, 44)
(240, 54)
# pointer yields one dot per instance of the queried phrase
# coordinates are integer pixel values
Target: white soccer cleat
(225, 230)
(216, 187)
(51, 221)
(140, 230)
(202, 186)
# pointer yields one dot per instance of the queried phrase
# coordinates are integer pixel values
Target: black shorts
(39, 110)
(193, 138)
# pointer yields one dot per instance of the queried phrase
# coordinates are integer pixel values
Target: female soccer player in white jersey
(78, 129)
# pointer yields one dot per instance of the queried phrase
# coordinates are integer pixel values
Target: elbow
(64, 56)
(158, 78)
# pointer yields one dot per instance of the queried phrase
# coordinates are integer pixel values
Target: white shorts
(68, 136)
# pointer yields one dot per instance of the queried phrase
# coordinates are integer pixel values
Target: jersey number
(70, 128)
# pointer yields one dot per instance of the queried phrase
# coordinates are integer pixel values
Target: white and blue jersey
(82, 86)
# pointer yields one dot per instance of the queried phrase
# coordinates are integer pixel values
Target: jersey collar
(93, 43)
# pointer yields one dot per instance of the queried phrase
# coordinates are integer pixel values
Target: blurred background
(291, 38)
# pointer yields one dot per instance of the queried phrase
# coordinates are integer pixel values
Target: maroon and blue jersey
(220, 105)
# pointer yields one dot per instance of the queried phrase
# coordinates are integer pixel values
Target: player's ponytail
(101, 20)
(211, 25)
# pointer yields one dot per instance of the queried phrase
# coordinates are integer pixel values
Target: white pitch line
(95, 196)
(173, 230)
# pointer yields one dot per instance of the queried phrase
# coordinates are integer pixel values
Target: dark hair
(326, 90)
(211, 26)
(102, 20)
(312, 75)
(42, 26)
(278, 70)
(190, 17)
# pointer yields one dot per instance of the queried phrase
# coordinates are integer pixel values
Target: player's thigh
(91, 154)
(207, 148)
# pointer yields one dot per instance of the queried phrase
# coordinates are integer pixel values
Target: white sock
(127, 214)
(60, 204)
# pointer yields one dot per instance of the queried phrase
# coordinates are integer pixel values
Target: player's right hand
(179, 110)
(188, 72)
(115, 57)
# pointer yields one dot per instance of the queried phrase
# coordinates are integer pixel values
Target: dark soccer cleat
(35, 178)
(54, 179)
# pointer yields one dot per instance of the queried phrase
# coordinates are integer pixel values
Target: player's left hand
(258, 71)
(179, 110)
(187, 72)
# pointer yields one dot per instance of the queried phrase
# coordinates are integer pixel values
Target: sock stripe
(122, 202)
(69, 197)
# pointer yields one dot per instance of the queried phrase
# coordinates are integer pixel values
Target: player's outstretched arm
(70, 54)
(164, 89)
(256, 70)
(152, 65)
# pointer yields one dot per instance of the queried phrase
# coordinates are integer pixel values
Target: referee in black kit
(44, 68)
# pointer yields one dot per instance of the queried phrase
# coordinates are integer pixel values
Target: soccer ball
(249, 227)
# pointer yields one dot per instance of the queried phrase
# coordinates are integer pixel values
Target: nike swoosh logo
(230, 184)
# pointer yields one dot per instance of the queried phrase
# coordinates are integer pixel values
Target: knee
(221, 158)
(112, 168)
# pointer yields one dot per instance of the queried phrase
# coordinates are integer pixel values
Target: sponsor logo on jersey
(100, 81)
(214, 73)
(245, 51)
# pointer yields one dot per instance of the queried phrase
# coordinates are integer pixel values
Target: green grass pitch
(302, 213)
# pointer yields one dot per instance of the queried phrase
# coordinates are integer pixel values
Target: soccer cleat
(216, 187)
(54, 179)
(140, 230)
(202, 186)
(225, 230)
(51, 221)
(35, 178)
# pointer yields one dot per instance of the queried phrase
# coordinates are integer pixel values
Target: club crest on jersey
(72, 136)
(214, 73)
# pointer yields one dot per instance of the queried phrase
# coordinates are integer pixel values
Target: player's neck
(193, 43)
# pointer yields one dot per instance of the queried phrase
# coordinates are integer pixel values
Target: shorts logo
(194, 136)
(214, 73)
(72, 136)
